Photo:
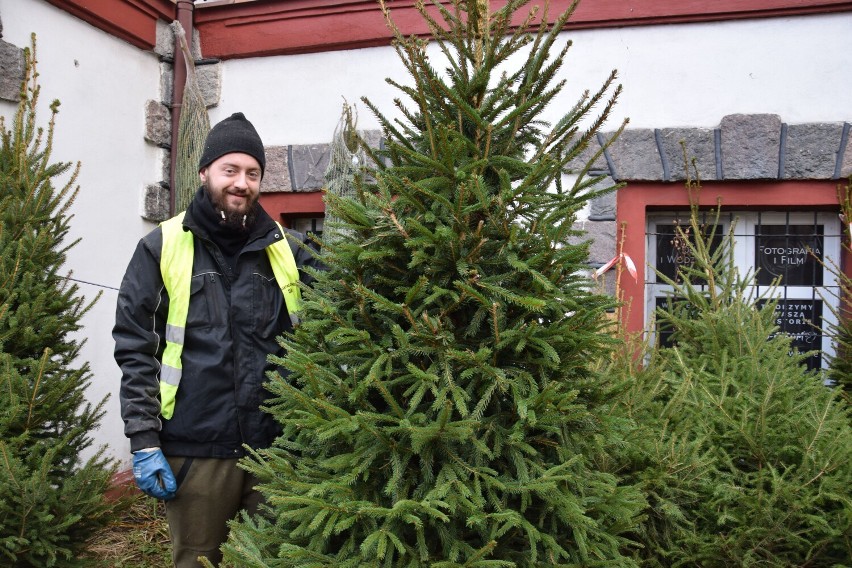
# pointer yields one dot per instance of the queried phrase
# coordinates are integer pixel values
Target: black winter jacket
(234, 318)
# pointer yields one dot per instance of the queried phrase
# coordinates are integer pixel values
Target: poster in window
(789, 252)
(801, 320)
(674, 252)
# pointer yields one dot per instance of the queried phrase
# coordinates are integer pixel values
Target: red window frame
(638, 198)
(284, 206)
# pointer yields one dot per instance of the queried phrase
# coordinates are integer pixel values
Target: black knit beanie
(234, 134)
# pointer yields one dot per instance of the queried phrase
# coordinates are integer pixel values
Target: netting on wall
(347, 160)
(193, 126)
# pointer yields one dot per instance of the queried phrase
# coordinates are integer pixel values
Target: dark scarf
(229, 240)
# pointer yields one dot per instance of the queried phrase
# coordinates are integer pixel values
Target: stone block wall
(11, 69)
(158, 114)
(743, 147)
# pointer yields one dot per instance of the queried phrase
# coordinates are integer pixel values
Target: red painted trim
(278, 27)
(637, 198)
(281, 205)
(134, 21)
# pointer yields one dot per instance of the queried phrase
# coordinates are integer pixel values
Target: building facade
(758, 92)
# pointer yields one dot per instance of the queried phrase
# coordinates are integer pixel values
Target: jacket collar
(262, 233)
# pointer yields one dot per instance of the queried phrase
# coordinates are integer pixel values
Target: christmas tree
(50, 500)
(441, 409)
(744, 455)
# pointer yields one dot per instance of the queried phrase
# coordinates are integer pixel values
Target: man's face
(233, 183)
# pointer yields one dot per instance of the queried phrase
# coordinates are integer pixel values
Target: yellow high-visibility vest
(176, 267)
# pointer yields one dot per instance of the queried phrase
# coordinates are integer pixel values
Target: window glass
(802, 321)
(790, 253)
(306, 225)
(673, 251)
(787, 248)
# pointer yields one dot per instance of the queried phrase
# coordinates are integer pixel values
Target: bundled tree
(50, 500)
(441, 409)
(745, 456)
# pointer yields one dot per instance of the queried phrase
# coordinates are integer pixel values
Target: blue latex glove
(153, 474)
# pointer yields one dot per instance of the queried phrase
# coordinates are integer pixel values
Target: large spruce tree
(440, 409)
(50, 500)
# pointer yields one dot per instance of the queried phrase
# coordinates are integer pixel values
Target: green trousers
(210, 493)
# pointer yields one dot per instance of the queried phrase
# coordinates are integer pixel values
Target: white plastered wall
(673, 76)
(102, 84)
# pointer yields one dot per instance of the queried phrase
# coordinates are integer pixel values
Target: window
(790, 247)
(306, 225)
(302, 211)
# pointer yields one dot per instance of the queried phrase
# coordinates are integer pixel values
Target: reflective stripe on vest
(176, 268)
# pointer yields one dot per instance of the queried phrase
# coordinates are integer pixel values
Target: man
(202, 301)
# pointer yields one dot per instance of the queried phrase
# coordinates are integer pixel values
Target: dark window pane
(307, 225)
(788, 251)
(671, 304)
(802, 321)
(664, 331)
(673, 252)
(799, 319)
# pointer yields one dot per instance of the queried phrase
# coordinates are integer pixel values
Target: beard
(233, 219)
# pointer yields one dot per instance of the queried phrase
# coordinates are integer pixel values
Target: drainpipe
(183, 12)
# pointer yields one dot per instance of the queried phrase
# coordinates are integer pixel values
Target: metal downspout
(184, 12)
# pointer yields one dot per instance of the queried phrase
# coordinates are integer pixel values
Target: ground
(139, 540)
